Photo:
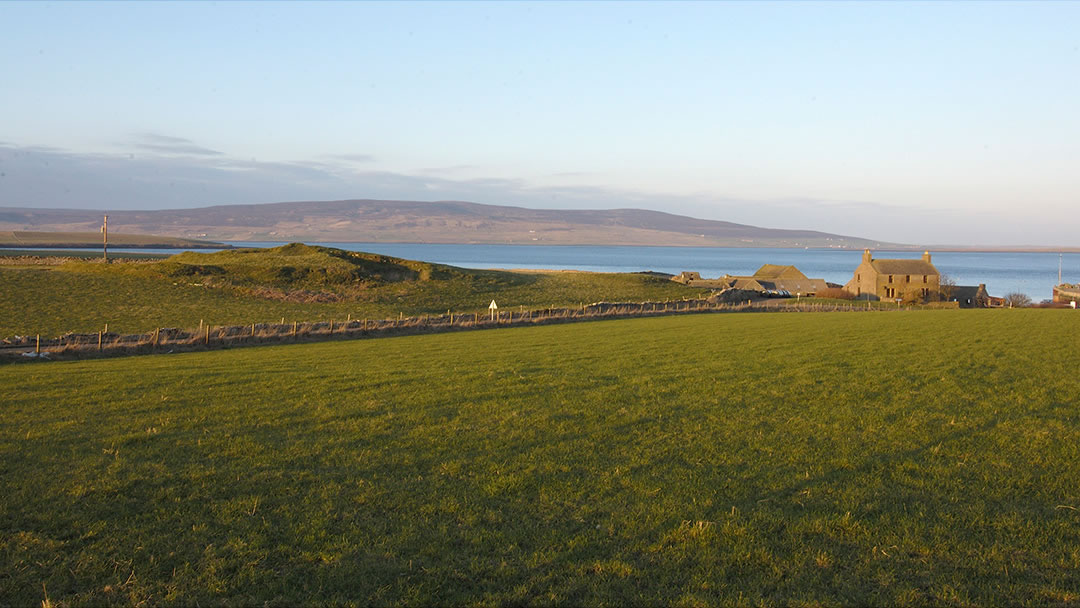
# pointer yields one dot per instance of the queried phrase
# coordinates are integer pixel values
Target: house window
(907, 278)
(924, 278)
(890, 278)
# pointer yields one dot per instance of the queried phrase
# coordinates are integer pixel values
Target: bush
(1017, 300)
(836, 293)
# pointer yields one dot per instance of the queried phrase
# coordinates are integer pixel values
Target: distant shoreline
(58, 246)
(894, 248)
(240, 244)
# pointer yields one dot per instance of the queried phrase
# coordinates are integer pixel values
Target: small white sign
(493, 305)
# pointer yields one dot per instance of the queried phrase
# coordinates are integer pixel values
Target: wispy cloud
(573, 174)
(169, 145)
(354, 158)
(450, 170)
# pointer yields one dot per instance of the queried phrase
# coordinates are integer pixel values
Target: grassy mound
(297, 282)
(299, 272)
(307, 267)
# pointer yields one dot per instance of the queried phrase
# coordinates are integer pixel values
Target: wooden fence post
(331, 326)
(207, 341)
(37, 345)
(156, 336)
(99, 334)
(252, 330)
(294, 329)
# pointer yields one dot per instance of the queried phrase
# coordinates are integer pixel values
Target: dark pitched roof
(803, 286)
(961, 293)
(748, 283)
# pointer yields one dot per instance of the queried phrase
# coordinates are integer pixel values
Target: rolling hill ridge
(365, 220)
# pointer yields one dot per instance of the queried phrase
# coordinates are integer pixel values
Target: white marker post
(493, 307)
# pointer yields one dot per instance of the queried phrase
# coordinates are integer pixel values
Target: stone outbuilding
(889, 279)
(969, 296)
(770, 277)
(773, 277)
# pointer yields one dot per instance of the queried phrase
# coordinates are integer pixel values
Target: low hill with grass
(324, 270)
(366, 220)
(295, 282)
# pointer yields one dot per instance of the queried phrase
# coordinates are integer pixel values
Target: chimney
(926, 256)
(866, 256)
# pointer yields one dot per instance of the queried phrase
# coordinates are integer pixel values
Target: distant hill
(428, 222)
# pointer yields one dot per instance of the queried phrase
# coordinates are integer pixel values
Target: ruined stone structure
(893, 279)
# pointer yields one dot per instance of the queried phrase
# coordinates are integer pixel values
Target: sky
(935, 123)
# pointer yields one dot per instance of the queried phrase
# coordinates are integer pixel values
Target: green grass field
(924, 457)
(296, 282)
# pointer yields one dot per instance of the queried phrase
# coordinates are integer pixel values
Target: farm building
(889, 279)
(970, 296)
(687, 278)
(1066, 293)
(770, 277)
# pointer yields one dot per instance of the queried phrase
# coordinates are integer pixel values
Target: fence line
(207, 336)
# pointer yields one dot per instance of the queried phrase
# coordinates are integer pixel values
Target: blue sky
(902, 121)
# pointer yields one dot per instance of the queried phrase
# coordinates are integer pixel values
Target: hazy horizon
(950, 123)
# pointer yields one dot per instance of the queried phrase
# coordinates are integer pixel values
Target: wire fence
(210, 336)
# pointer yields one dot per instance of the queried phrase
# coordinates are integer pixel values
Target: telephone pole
(105, 239)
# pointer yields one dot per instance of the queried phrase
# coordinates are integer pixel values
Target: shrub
(1016, 299)
(838, 293)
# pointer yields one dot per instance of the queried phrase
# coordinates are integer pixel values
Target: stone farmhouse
(770, 277)
(891, 279)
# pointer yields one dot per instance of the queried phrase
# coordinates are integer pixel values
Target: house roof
(775, 271)
(964, 292)
(903, 267)
(803, 285)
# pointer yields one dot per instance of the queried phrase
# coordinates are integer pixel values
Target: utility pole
(105, 239)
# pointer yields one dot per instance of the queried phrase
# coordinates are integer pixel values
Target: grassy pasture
(296, 282)
(897, 458)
